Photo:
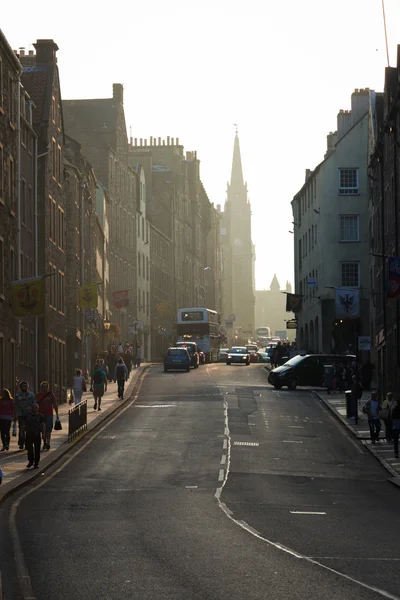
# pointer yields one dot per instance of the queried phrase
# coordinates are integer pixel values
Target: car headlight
(229, 356)
(244, 357)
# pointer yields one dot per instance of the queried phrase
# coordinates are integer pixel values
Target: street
(209, 485)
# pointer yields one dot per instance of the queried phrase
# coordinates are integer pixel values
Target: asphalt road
(212, 485)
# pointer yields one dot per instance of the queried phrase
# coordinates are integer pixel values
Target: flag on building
(294, 302)
(88, 296)
(347, 303)
(28, 297)
(121, 299)
(393, 287)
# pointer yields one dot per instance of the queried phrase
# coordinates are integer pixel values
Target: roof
(98, 115)
(11, 54)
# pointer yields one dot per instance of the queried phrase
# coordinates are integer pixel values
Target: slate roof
(97, 115)
(36, 81)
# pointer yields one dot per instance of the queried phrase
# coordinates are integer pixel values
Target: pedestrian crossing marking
(246, 444)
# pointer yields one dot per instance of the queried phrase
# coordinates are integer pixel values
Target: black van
(306, 370)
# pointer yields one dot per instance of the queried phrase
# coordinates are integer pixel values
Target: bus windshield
(200, 325)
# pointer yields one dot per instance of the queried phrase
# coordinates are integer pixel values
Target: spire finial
(236, 128)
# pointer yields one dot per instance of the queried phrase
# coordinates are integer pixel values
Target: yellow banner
(88, 296)
(28, 297)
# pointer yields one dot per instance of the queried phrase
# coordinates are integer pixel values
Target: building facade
(99, 126)
(238, 255)
(270, 309)
(331, 231)
(384, 213)
(40, 78)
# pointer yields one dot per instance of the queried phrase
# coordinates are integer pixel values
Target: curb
(28, 476)
(371, 449)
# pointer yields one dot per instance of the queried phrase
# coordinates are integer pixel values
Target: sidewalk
(13, 462)
(382, 450)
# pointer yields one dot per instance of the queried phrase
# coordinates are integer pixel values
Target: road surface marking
(306, 512)
(390, 559)
(225, 444)
(278, 546)
(221, 475)
(223, 459)
(296, 426)
(155, 405)
(246, 444)
(191, 487)
(291, 442)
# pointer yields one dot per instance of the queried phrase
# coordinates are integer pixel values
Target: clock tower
(238, 255)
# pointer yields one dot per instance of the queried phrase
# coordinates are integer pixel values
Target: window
(143, 228)
(139, 263)
(147, 303)
(53, 158)
(1, 267)
(12, 264)
(59, 164)
(61, 234)
(350, 274)
(139, 299)
(23, 201)
(348, 182)
(1, 88)
(1, 173)
(30, 208)
(138, 227)
(11, 99)
(11, 182)
(53, 109)
(349, 228)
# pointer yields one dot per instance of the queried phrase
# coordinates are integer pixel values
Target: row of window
(8, 93)
(143, 229)
(56, 224)
(349, 277)
(143, 302)
(7, 179)
(27, 347)
(348, 185)
(349, 232)
(7, 357)
(56, 161)
(56, 283)
(143, 266)
(27, 207)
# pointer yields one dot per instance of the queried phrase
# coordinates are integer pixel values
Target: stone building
(99, 126)
(10, 69)
(181, 222)
(331, 248)
(270, 309)
(384, 211)
(40, 78)
(238, 254)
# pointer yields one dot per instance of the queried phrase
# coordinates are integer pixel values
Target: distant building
(238, 254)
(270, 308)
(331, 232)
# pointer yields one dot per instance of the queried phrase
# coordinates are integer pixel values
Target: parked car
(264, 357)
(238, 354)
(305, 370)
(223, 353)
(193, 350)
(176, 358)
(202, 358)
(252, 350)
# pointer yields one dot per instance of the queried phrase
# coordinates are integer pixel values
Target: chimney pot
(141, 141)
(135, 141)
(31, 53)
(22, 52)
(168, 140)
(172, 141)
(151, 140)
(159, 141)
(177, 141)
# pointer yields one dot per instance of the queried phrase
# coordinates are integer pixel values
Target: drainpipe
(82, 228)
(36, 251)
(19, 271)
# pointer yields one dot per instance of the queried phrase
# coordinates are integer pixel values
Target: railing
(77, 420)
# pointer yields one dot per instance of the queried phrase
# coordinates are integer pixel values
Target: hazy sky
(280, 69)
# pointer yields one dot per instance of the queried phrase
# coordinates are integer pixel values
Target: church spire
(237, 172)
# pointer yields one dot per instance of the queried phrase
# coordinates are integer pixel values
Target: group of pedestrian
(281, 353)
(34, 414)
(132, 355)
(389, 413)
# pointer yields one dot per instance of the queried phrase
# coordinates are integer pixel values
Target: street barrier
(77, 420)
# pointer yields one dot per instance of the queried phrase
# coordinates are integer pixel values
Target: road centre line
(306, 512)
(291, 442)
(296, 426)
(390, 559)
(221, 475)
(223, 459)
(225, 444)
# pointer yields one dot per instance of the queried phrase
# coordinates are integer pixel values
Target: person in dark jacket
(35, 429)
(372, 408)
(356, 393)
(395, 413)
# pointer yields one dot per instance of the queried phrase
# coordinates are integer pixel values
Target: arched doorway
(316, 335)
(312, 346)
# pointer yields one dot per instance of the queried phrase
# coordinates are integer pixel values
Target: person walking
(7, 415)
(139, 355)
(35, 427)
(356, 393)
(98, 385)
(128, 360)
(23, 406)
(386, 415)
(79, 386)
(47, 404)
(111, 360)
(372, 408)
(121, 373)
(396, 427)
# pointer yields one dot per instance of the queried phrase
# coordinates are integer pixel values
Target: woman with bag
(79, 387)
(386, 415)
(7, 414)
(47, 404)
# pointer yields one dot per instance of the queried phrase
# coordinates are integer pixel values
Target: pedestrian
(35, 427)
(121, 373)
(396, 427)
(111, 360)
(139, 355)
(23, 406)
(386, 415)
(103, 366)
(79, 386)
(7, 415)
(47, 404)
(98, 385)
(128, 360)
(372, 408)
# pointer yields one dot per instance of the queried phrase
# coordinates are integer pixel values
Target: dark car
(176, 358)
(306, 370)
(193, 350)
(263, 357)
(202, 358)
(253, 351)
(238, 354)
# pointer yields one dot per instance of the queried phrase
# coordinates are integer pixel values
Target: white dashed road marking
(306, 512)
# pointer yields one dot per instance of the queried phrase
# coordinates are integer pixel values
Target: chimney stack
(118, 92)
(45, 52)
